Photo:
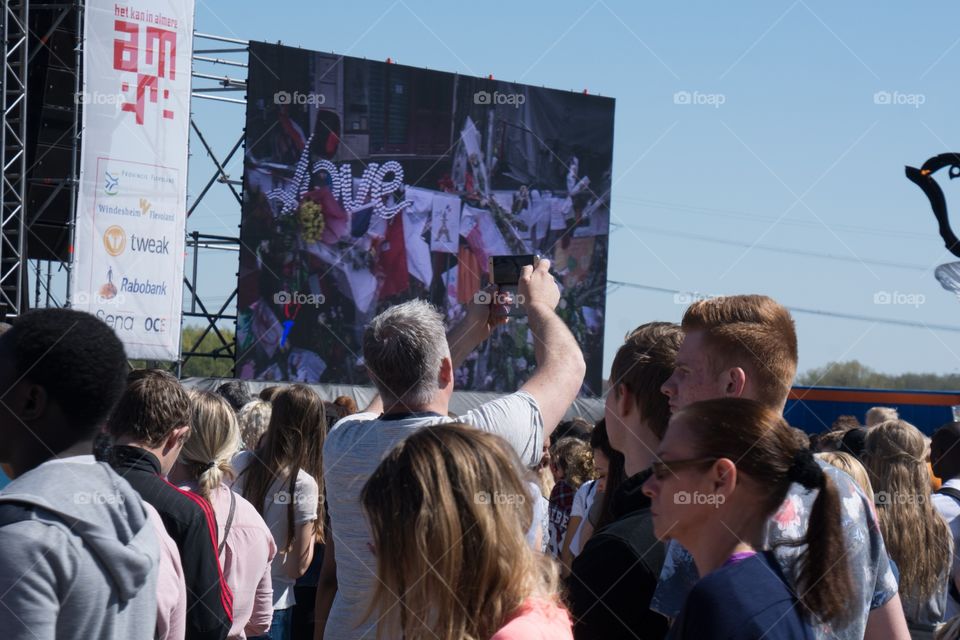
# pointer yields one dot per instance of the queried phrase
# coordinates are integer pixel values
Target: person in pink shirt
(449, 510)
(246, 546)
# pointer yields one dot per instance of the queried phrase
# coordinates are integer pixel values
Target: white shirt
(352, 452)
(949, 508)
(539, 530)
(582, 501)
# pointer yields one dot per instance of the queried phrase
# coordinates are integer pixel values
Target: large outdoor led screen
(367, 184)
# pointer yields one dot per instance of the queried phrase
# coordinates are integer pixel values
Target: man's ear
(30, 401)
(176, 439)
(623, 400)
(445, 376)
(735, 382)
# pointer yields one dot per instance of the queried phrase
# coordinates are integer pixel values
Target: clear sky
(759, 147)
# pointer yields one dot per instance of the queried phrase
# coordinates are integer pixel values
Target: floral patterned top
(873, 580)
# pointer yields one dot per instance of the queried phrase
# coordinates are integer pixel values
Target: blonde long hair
(917, 538)
(449, 509)
(214, 438)
(853, 467)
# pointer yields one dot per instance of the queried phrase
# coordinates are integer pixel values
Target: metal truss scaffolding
(13, 158)
(207, 60)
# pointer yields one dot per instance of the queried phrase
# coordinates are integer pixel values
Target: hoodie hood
(100, 507)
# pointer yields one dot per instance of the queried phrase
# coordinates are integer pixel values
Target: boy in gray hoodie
(78, 556)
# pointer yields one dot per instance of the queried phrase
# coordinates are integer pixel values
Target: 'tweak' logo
(160, 246)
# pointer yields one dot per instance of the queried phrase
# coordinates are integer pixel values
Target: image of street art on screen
(367, 184)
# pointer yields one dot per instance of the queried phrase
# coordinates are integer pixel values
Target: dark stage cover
(368, 183)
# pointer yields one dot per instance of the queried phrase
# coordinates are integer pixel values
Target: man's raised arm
(560, 365)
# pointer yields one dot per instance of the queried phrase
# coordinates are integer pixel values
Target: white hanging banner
(128, 251)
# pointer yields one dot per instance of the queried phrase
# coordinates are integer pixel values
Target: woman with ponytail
(246, 546)
(724, 468)
(283, 479)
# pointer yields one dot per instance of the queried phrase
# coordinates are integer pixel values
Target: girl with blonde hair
(246, 545)
(917, 537)
(853, 468)
(449, 508)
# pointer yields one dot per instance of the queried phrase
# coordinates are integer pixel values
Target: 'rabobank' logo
(114, 240)
(111, 184)
(143, 287)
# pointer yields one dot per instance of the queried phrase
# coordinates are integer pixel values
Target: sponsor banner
(131, 211)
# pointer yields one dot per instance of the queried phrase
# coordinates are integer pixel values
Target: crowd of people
(141, 509)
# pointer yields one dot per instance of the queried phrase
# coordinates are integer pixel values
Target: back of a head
(236, 392)
(403, 348)
(945, 451)
(876, 415)
(268, 393)
(845, 423)
(76, 358)
(753, 332)
(253, 419)
(576, 427)
(761, 444)
(348, 406)
(448, 508)
(296, 428)
(894, 447)
(644, 363)
(214, 439)
(153, 405)
(853, 442)
(575, 458)
(830, 441)
(852, 466)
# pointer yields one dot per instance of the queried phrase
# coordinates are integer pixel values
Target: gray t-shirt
(352, 452)
(278, 501)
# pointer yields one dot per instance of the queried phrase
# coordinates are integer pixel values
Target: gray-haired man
(412, 364)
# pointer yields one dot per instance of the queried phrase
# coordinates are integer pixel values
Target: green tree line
(198, 366)
(854, 374)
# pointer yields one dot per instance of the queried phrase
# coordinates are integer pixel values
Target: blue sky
(759, 147)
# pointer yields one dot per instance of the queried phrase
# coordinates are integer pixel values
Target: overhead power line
(777, 249)
(757, 217)
(819, 312)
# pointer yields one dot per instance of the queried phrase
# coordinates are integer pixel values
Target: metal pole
(207, 36)
(204, 96)
(196, 252)
(77, 136)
